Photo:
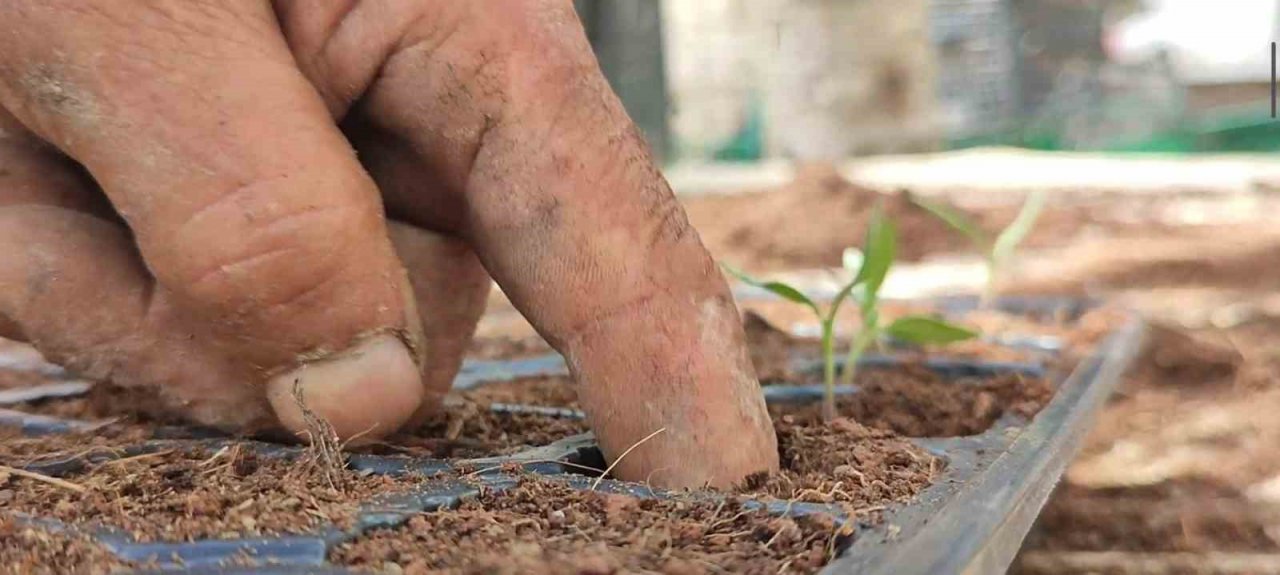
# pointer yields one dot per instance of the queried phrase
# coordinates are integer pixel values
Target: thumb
(247, 204)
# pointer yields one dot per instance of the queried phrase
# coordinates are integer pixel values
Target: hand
(181, 209)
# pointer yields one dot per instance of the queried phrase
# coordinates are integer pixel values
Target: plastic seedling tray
(972, 519)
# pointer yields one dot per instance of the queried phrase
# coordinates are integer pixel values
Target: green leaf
(779, 289)
(845, 292)
(957, 220)
(1017, 231)
(880, 248)
(927, 330)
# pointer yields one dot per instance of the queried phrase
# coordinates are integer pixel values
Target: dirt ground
(1181, 473)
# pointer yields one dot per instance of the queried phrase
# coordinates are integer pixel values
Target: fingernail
(366, 392)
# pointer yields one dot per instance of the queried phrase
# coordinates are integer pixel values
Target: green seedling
(880, 248)
(998, 251)
(873, 265)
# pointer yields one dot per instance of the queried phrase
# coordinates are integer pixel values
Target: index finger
(566, 209)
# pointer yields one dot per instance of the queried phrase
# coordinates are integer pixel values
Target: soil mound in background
(810, 222)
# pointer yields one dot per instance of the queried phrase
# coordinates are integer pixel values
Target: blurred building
(824, 79)
(800, 78)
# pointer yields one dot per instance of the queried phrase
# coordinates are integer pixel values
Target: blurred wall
(827, 78)
(714, 53)
(627, 37)
(850, 77)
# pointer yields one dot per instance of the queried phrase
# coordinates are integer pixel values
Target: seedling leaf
(777, 288)
(957, 220)
(1017, 231)
(878, 253)
(927, 330)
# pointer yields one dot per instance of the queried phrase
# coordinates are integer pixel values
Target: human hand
(181, 209)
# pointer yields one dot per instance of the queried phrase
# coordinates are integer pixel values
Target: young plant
(999, 251)
(826, 319)
(877, 257)
(880, 247)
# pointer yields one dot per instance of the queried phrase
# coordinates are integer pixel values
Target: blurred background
(744, 80)
(1147, 123)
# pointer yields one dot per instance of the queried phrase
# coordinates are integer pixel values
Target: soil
(1179, 473)
(550, 391)
(103, 402)
(508, 347)
(542, 526)
(772, 349)
(843, 462)
(1172, 357)
(914, 402)
(1184, 515)
(180, 495)
(466, 430)
(470, 430)
(860, 463)
(14, 379)
(35, 551)
(810, 222)
(917, 402)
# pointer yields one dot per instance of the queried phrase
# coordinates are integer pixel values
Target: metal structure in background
(977, 69)
(627, 38)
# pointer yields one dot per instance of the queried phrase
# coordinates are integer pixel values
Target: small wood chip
(42, 478)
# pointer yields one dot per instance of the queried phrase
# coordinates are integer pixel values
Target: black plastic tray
(972, 519)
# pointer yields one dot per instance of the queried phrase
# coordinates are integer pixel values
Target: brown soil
(466, 430)
(1180, 466)
(179, 496)
(843, 462)
(810, 222)
(1173, 357)
(1190, 516)
(105, 401)
(917, 402)
(771, 349)
(14, 379)
(19, 449)
(471, 430)
(541, 526)
(550, 391)
(507, 347)
(35, 551)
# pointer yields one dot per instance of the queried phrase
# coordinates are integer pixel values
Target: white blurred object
(17, 356)
(1206, 42)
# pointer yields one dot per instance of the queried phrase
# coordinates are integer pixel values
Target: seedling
(880, 248)
(997, 252)
(873, 266)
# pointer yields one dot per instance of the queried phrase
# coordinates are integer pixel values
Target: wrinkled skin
(181, 209)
